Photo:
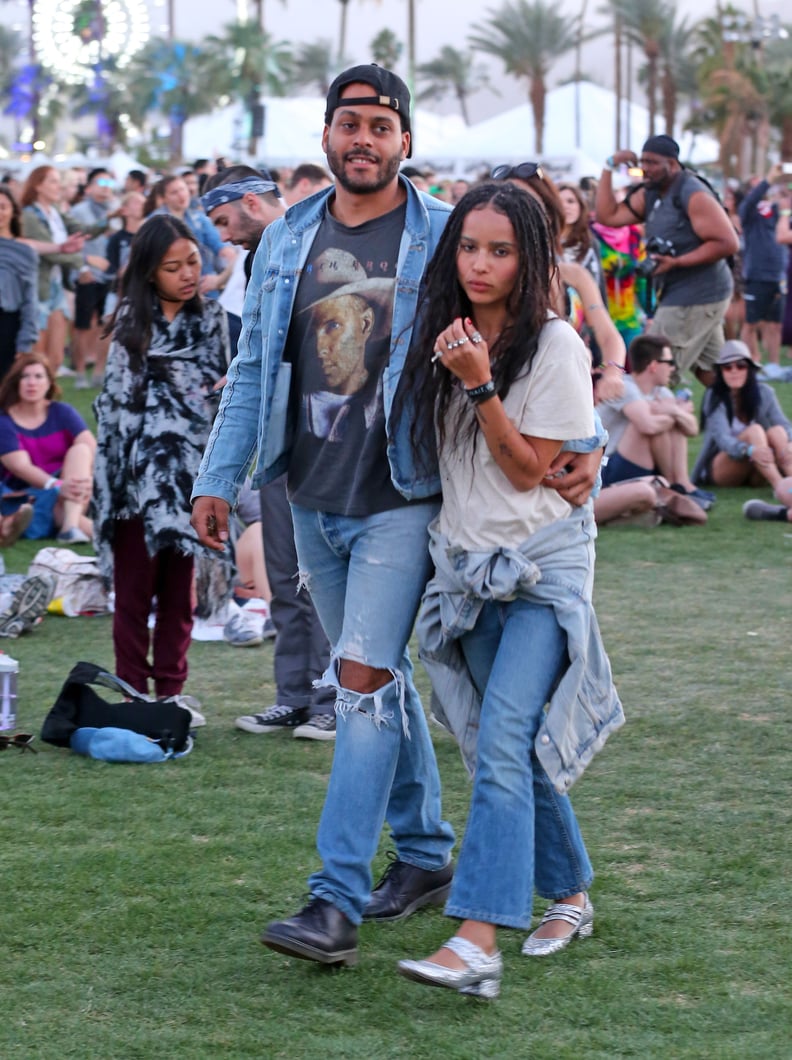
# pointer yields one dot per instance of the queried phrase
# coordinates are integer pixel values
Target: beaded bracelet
(477, 394)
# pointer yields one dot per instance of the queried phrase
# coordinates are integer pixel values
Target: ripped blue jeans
(366, 576)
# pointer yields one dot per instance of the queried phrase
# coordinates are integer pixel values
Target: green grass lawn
(132, 897)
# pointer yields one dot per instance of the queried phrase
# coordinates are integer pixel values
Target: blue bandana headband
(224, 193)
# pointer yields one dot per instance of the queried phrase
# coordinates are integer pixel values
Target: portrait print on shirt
(345, 334)
(339, 344)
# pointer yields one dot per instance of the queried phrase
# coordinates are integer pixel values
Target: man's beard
(366, 185)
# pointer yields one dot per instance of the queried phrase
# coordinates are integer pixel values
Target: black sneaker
(318, 727)
(757, 509)
(274, 718)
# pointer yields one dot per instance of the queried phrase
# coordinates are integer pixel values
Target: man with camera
(688, 239)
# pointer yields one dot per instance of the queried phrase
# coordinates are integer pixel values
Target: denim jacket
(553, 567)
(254, 419)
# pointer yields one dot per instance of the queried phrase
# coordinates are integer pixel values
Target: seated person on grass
(648, 426)
(46, 452)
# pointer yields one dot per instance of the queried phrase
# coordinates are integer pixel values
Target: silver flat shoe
(481, 977)
(580, 920)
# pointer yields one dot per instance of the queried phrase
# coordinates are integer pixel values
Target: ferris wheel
(74, 37)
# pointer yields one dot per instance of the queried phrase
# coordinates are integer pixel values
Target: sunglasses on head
(524, 171)
(22, 740)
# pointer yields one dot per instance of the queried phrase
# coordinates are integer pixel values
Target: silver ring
(437, 355)
(476, 336)
(457, 342)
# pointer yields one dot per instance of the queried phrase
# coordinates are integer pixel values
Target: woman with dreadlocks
(507, 631)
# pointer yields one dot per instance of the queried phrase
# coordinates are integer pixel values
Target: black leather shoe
(405, 888)
(320, 932)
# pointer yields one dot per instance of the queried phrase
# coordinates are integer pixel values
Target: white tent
(509, 137)
(293, 132)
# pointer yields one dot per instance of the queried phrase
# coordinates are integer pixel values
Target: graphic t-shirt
(339, 344)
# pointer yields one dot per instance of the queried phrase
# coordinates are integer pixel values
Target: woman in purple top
(46, 450)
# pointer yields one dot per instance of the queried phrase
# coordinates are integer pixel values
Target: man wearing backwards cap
(360, 505)
(689, 236)
(361, 501)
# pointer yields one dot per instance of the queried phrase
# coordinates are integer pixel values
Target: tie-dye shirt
(620, 251)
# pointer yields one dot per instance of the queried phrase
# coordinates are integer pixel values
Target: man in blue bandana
(241, 202)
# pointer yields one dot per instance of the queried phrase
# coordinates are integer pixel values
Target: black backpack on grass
(78, 706)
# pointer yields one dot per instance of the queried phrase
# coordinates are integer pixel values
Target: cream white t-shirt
(481, 509)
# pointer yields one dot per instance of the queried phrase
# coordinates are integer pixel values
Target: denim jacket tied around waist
(554, 567)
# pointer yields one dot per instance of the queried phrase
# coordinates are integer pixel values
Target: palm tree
(11, 44)
(527, 36)
(109, 98)
(779, 76)
(452, 72)
(731, 88)
(646, 23)
(342, 31)
(25, 82)
(254, 60)
(259, 6)
(386, 49)
(11, 92)
(252, 64)
(744, 86)
(314, 66)
(178, 79)
(677, 70)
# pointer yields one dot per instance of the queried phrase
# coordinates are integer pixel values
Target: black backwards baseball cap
(662, 145)
(390, 91)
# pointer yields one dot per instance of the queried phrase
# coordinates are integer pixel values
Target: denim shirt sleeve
(598, 440)
(232, 444)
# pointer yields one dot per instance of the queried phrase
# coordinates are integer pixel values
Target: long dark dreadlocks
(427, 388)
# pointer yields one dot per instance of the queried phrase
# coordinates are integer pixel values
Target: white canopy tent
(509, 137)
(293, 132)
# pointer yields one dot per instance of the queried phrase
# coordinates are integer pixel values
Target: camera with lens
(655, 245)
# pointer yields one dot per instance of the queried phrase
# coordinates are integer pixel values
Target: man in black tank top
(688, 237)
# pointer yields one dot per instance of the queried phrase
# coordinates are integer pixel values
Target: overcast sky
(310, 20)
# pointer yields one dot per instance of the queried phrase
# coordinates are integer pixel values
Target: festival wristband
(614, 364)
(52, 483)
(477, 394)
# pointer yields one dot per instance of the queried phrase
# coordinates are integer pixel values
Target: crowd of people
(422, 378)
